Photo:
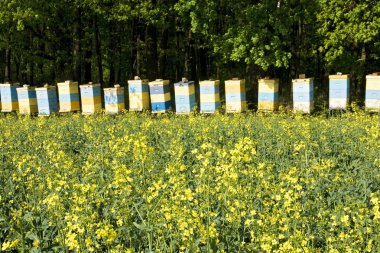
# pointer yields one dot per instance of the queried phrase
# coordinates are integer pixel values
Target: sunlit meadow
(165, 183)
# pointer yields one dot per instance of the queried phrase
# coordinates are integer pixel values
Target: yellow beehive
(138, 94)
(114, 99)
(235, 95)
(27, 100)
(9, 100)
(268, 94)
(91, 98)
(209, 96)
(372, 94)
(68, 95)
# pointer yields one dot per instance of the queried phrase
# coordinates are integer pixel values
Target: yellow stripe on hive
(91, 100)
(69, 106)
(139, 104)
(209, 98)
(268, 85)
(155, 98)
(114, 108)
(209, 83)
(236, 106)
(139, 95)
(184, 90)
(9, 106)
(235, 86)
(373, 84)
(268, 106)
(339, 77)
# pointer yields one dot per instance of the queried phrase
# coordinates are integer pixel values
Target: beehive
(303, 95)
(268, 94)
(47, 100)
(160, 96)
(138, 94)
(372, 94)
(68, 95)
(9, 100)
(339, 90)
(184, 96)
(209, 96)
(27, 100)
(91, 98)
(235, 95)
(114, 99)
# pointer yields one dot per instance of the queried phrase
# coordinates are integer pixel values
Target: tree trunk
(77, 52)
(151, 52)
(7, 73)
(97, 46)
(163, 55)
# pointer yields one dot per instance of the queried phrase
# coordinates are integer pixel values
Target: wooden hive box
(184, 96)
(68, 96)
(339, 90)
(138, 94)
(268, 94)
(160, 95)
(114, 99)
(235, 95)
(9, 99)
(27, 100)
(303, 95)
(91, 98)
(47, 100)
(209, 97)
(372, 93)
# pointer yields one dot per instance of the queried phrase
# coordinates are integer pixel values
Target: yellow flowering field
(165, 183)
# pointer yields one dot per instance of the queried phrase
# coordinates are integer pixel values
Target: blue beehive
(303, 94)
(339, 90)
(9, 99)
(47, 100)
(184, 96)
(160, 96)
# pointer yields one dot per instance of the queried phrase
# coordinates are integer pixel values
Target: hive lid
(340, 76)
(89, 85)
(374, 75)
(184, 82)
(117, 86)
(159, 82)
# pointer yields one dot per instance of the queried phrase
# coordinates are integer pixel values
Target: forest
(110, 41)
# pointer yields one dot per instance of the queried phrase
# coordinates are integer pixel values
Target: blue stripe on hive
(209, 89)
(159, 89)
(303, 96)
(304, 87)
(235, 97)
(268, 97)
(335, 84)
(209, 107)
(372, 94)
(68, 97)
(338, 93)
(161, 106)
(9, 94)
(133, 88)
(90, 91)
(112, 99)
(183, 99)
